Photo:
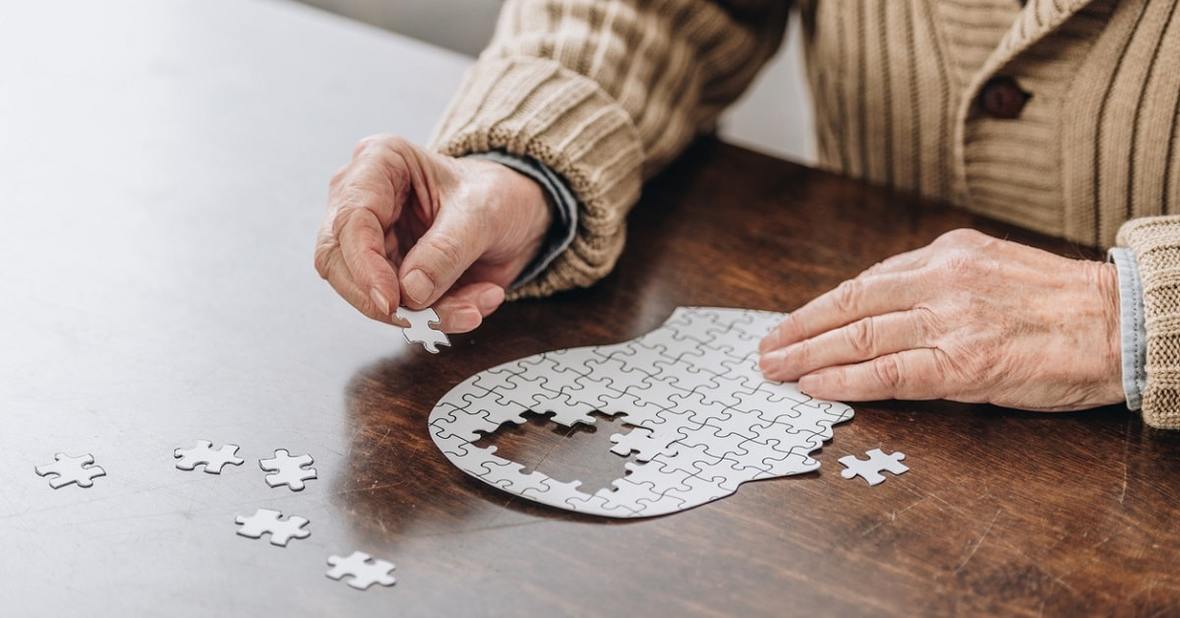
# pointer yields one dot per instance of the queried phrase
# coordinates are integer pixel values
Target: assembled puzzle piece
(203, 454)
(288, 470)
(870, 469)
(364, 569)
(66, 470)
(641, 441)
(702, 419)
(421, 329)
(281, 529)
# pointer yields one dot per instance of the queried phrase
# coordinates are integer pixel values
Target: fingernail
(490, 299)
(810, 382)
(769, 342)
(380, 301)
(771, 363)
(465, 319)
(418, 287)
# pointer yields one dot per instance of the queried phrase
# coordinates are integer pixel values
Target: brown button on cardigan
(1001, 97)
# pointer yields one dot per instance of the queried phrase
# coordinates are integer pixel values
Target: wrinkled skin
(406, 226)
(967, 318)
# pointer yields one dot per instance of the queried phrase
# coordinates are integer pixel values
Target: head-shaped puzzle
(702, 418)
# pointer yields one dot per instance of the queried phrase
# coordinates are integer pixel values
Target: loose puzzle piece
(421, 329)
(65, 470)
(701, 418)
(288, 470)
(203, 454)
(281, 529)
(870, 469)
(364, 569)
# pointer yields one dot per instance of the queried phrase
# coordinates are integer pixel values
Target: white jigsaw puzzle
(203, 454)
(281, 529)
(66, 470)
(870, 469)
(363, 569)
(288, 470)
(703, 420)
(421, 329)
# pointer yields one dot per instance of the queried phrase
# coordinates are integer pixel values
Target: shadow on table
(395, 479)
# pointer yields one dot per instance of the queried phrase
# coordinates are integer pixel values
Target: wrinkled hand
(410, 227)
(968, 318)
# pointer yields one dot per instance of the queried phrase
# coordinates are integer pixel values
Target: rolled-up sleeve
(561, 201)
(605, 94)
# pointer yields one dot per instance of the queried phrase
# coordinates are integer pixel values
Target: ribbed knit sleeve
(606, 92)
(1155, 241)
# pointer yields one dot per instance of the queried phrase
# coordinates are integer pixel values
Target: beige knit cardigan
(605, 92)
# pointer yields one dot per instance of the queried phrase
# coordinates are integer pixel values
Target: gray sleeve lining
(561, 201)
(1132, 325)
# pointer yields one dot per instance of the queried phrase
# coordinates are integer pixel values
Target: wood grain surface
(160, 197)
(1003, 512)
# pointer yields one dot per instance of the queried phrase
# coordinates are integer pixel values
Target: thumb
(453, 242)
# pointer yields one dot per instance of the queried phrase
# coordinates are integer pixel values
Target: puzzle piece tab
(640, 441)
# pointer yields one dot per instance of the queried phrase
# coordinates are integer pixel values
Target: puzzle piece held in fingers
(422, 328)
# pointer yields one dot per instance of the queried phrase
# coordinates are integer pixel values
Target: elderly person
(1057, 115)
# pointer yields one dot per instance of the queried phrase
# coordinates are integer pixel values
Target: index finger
(912, 374)
(848, 302)
(365, 199)
(362, 243)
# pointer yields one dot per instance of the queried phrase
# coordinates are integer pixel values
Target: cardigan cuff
(562, 203)
(539, 109)
(1155, 243)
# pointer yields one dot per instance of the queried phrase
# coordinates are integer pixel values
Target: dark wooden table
(157, 289)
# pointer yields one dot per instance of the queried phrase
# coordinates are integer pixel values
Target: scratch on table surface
(101, 498)
(1147, 592)
(979, 542)
(948, 505)
(1053, 583)
(549, 452)
(1144, 590)
(478, 529)
(1045, 600)
(1126, 450)
(1058, 579)
(379, 440)
(893, 516)
(1123, 494)
(372, 487)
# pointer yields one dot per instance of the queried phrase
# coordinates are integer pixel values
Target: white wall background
(773, 117)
